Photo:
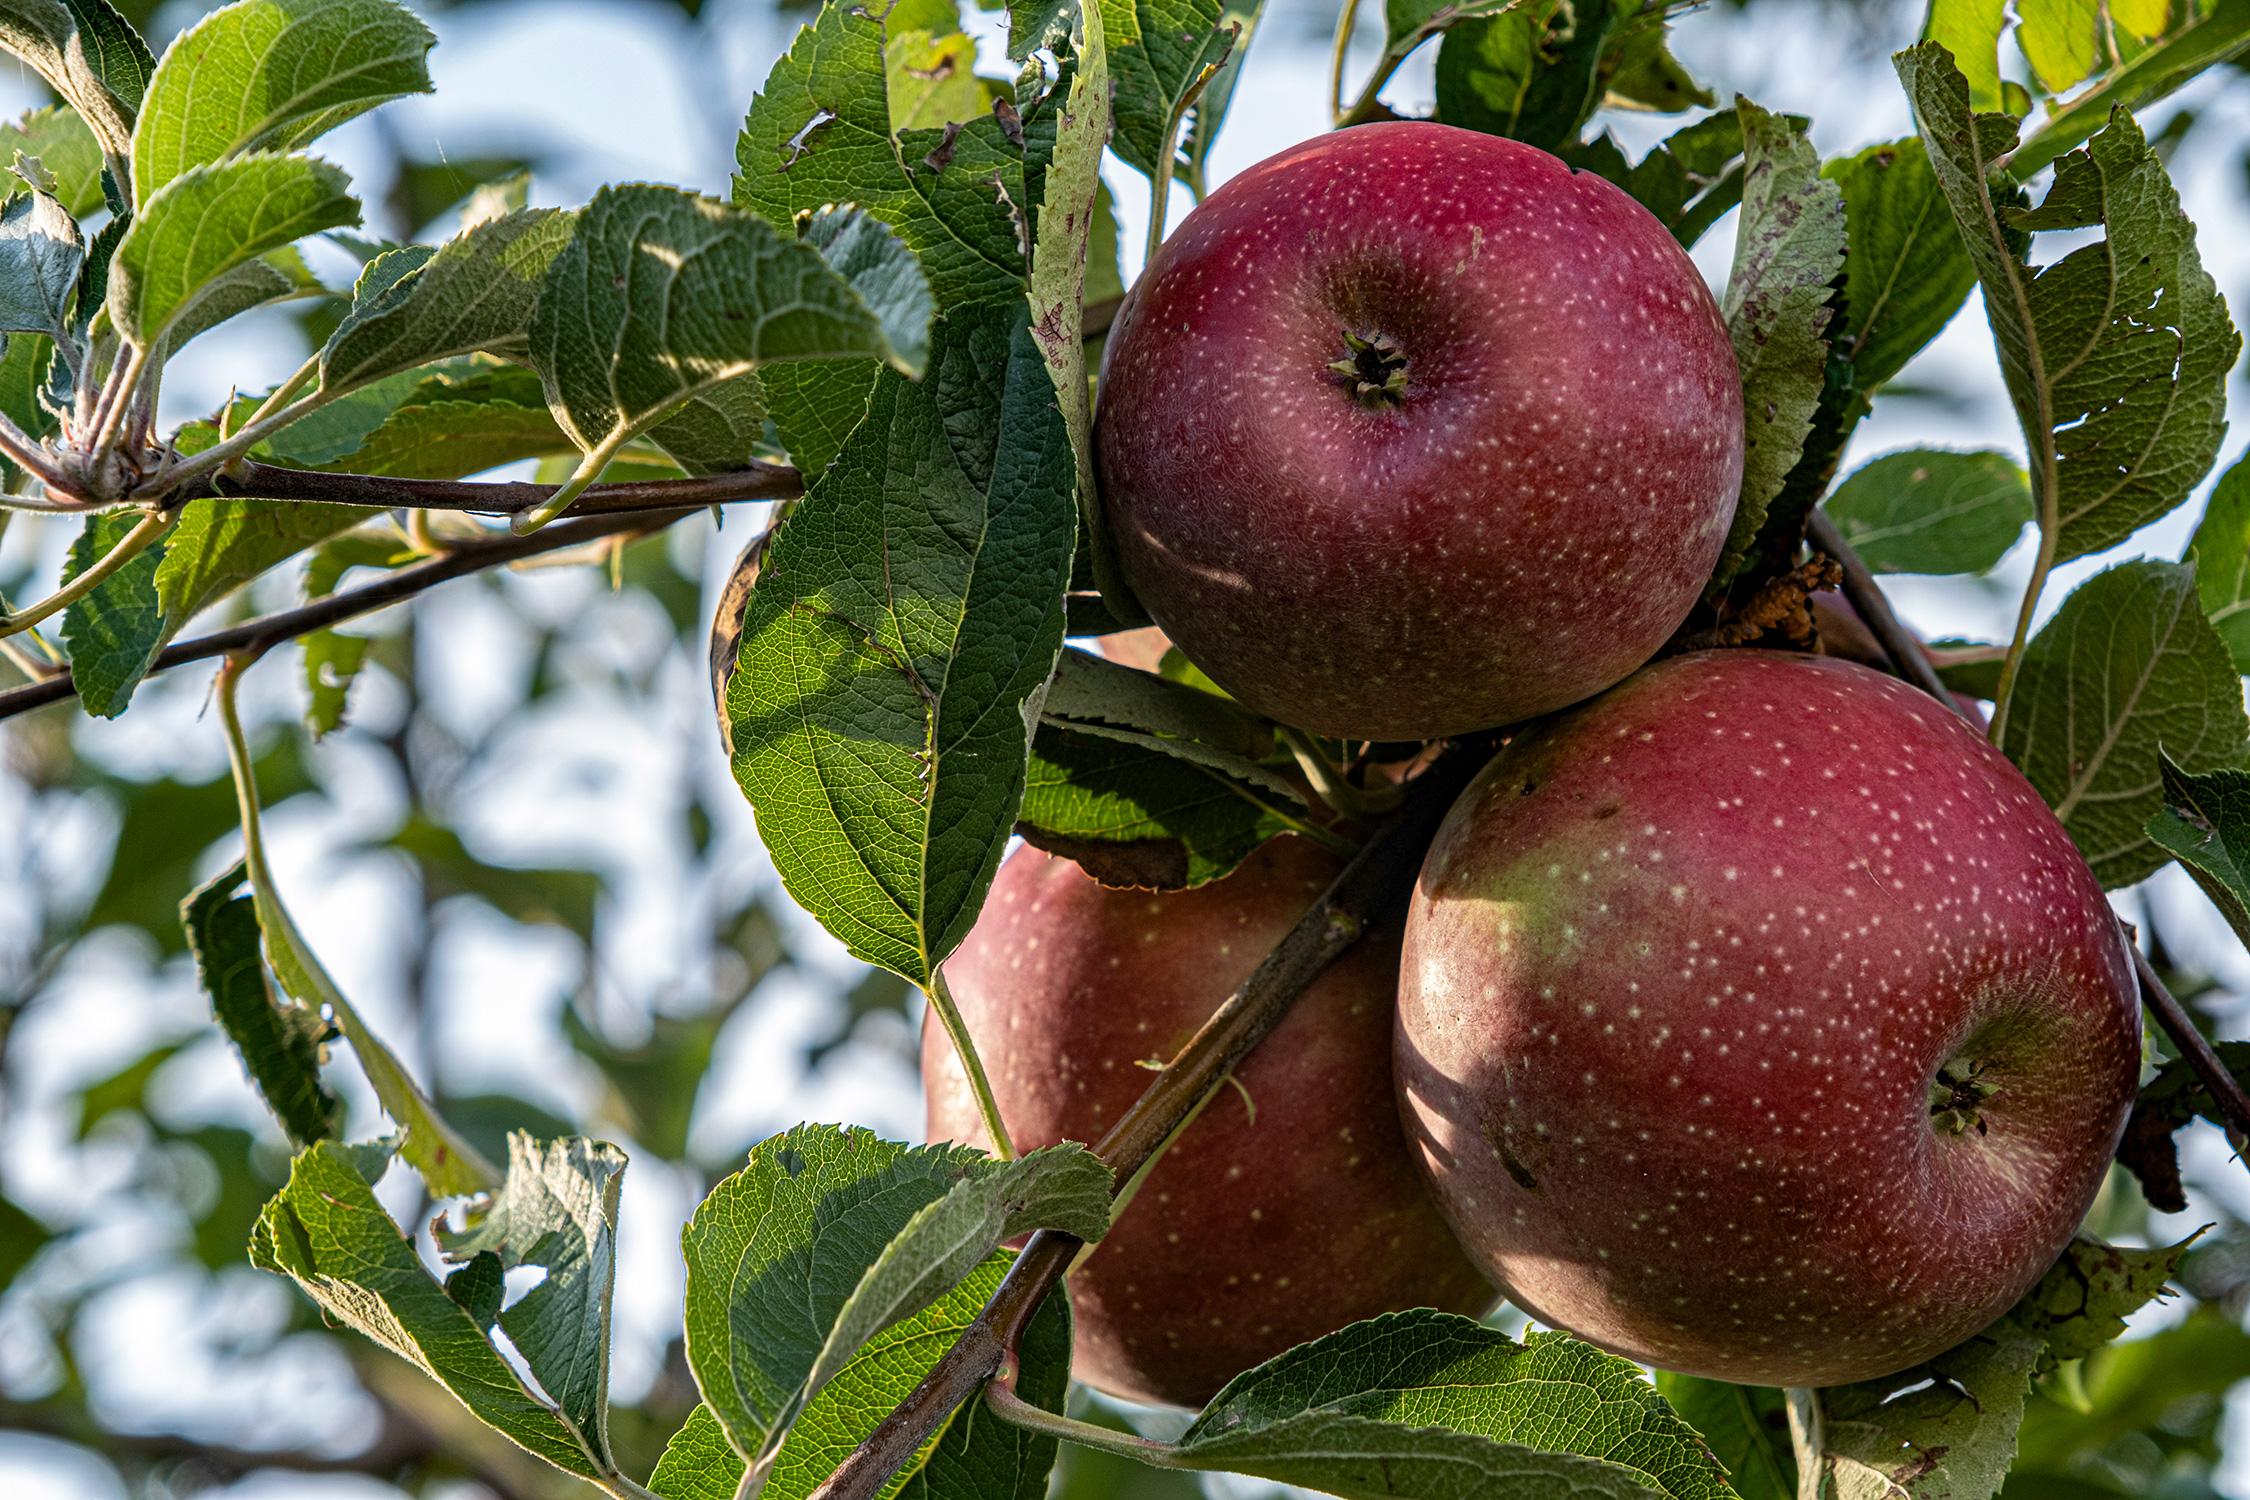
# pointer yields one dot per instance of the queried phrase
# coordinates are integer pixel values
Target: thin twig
(333, 609)
(150, 529)
(1346, 21)
(755, 481)
(25, 452)
(2226, 1092)
(1901, 645)
(1913, 663)
(1370, 889)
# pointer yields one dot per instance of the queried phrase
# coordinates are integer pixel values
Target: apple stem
(1329, 782)
(1001, 1398)
(965, 1048)
(1807, 1437)
(1913, 663)
(1372, 886)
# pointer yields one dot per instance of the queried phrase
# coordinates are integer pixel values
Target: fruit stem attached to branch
(1807, 1436)
(1372, 887)
(1913, 663)
(1011, 1408)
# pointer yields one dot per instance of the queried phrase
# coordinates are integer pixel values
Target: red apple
(1290, 1207)
(1412, 430)
(1758, 1020)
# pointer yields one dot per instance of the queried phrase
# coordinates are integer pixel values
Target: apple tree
(1485, 834)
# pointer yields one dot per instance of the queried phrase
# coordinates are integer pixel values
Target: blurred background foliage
(524, 855)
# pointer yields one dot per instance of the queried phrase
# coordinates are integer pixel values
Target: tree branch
(1905, 651)
(402, 1443)
(1373, 886)
(264, 633)
(755, 481)
(1901, 645)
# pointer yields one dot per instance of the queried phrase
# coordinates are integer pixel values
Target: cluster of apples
(1752, 1018)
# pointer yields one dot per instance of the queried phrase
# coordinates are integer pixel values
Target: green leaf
(2116, 355)
(1969, 32)
(874, 262)
(1689, 180)
(270, 75)
(2128, 666)
(1930, 511)
(40, 253)
(1429, 1404)
(280, 1046)
(1789, 249)
(815, 405)
(2060, 39)
(454, 439)
(1135, 815)
(220, 545)
(661, 295)
(327, 1232)
(1092, 689)
(2210, 34)
(1641, 72)
(90, 55)
(1093, 696)
(2204, 823)
(278, 276)
(1528, 72)
(332, 662)
(477, 291)
(1907, 273)
(698, 1463)
(210, 220)
(557, 1210)
(975, 1457)
(831, 1234)
(902, 630)
(1164, 54)
(2220, 551)
(64, 146)
(1067, 212)
(821, 131)
(1210, 112)
(931, 73)
(1946, 1430)
(114, 632)
(1745, 1426)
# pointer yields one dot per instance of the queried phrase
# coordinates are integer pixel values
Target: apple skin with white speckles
(1680, 974)
(1255, 1232)
(1521, 524)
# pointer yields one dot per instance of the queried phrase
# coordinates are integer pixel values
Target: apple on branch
(1291, 1205)
(1758, 1020)
(1410, 430)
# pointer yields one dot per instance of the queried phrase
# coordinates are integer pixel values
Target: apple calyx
(1957, 1097)
(1372, 369)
